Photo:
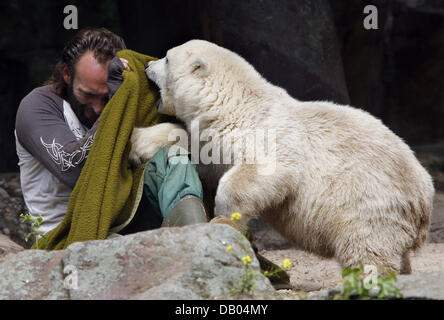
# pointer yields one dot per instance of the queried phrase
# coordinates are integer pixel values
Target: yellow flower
(229, 248)
(286, 264)
(246, 260)
(266, 273)
(236, 216)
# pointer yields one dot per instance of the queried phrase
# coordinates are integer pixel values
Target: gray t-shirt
(52, 146)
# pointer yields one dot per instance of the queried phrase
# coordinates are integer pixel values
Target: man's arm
(42, 130)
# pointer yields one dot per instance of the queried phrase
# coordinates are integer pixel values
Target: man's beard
(81, 109)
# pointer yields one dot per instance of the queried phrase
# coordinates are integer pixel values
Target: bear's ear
(200, 66)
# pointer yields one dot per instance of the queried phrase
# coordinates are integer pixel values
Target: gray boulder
(428, 285)
(169, 263)
(32, 274)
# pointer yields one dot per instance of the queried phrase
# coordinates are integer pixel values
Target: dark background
(316, 49)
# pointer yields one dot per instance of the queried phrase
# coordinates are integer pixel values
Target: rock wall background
(395, 72)
(316, 49)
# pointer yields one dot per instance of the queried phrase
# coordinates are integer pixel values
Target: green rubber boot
(188, 210)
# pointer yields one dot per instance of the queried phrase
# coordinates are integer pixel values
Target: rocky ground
(11, 206)
(308, 272)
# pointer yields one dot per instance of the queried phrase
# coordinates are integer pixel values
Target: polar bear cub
(343, 185)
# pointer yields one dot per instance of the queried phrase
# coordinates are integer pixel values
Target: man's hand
(125, 64)
(114, 77)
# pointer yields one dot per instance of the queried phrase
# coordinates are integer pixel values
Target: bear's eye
(166, 60)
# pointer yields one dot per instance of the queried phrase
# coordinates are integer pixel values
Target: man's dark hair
(101, 42)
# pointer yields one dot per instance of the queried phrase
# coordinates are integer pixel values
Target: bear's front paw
(222, 203)
(221, 208)
(145, 142)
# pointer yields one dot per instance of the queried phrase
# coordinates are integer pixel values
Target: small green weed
(358, 285)
(35, 226)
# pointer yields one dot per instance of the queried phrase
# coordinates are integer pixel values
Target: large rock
(169, 263)
(32, 274)
(422, 286)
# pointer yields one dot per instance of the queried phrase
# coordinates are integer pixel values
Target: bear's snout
(147, 68)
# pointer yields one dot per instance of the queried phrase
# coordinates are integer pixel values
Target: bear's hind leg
(382, 263)
(406, 267)
(367, 249)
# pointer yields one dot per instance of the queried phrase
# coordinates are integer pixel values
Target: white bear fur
(147, 141)
(344, 184)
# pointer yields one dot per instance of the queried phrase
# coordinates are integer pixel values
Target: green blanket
(108, 190)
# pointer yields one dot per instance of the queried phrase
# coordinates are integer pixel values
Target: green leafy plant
(35, 226)
(356, 285)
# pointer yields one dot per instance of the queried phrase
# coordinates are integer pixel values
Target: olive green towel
(108, 190)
